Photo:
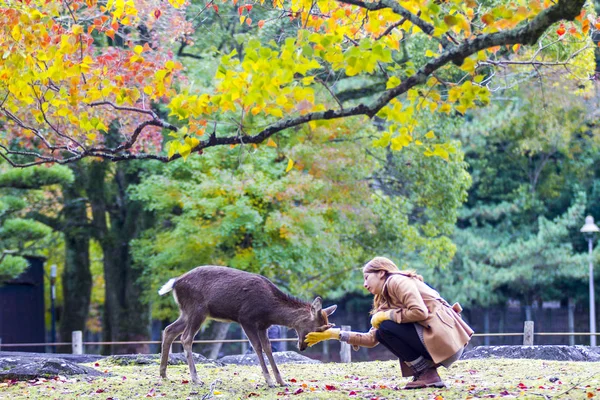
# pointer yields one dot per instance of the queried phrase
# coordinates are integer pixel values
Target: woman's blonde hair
(385, 264)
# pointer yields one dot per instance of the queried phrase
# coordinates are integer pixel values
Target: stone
(30, 368)
(550, 352)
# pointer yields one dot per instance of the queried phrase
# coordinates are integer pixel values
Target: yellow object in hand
(379, 317)
(315, 337)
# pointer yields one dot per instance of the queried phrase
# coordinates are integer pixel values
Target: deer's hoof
(283, 384)
(197, 382)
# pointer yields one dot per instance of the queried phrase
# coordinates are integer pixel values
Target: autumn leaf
(290, 164)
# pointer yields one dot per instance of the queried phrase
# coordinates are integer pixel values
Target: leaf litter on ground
(377, 380)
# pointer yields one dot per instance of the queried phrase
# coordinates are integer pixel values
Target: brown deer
(253, 301)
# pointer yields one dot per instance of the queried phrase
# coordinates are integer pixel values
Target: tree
(72, 70)
(20, 234)
(533, 159)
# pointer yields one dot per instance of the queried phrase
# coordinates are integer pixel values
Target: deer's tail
(167, 287)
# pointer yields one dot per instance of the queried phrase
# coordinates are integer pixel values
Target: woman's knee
(387, 328)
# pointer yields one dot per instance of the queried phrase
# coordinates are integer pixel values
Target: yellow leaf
(430, 135)
(271, 143)
(77, 29)
(289, 165)
(138, 49)
(185, 151)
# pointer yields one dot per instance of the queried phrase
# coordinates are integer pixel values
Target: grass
(468, 379)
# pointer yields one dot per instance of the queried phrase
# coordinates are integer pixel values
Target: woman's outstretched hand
(379, 317)
(315, 337)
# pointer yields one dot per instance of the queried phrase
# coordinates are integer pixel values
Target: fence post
(345, 348)
(77, 342)
(528, 334)
(283, 335)
(244, 343)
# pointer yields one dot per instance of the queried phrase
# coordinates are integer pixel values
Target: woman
(411, 320)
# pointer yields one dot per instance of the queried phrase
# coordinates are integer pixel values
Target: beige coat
(411, 300)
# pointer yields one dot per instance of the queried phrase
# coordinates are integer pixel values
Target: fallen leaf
(298, 391)
(330, 387)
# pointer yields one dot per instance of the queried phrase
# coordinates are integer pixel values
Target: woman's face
(374, 281)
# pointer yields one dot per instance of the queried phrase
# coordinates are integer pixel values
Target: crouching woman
(412, 320)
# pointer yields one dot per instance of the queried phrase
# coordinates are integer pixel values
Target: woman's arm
(405, 291)
(354, 338)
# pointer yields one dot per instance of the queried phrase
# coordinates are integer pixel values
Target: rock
(30, 368)
(144, 359)
(281, 357)
(76, 358)
(554, 352)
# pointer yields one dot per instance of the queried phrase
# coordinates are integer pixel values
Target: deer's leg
(253, 336)
(266, 345)
(187, 338)
(169, 334)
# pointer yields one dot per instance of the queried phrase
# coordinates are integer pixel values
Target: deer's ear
(316, 305)
(330, 310)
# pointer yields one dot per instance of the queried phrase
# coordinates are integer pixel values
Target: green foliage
(239, 207)
(35, 177)
(11, 266)
(16, 232)
(20, 194)
(534, 173)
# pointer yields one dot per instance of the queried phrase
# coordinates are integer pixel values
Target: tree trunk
(76, 277)
(117, 221)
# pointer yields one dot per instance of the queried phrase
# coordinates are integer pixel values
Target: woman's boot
(426, 378)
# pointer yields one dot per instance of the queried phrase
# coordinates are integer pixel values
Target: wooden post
(244, 344)
(77, 342)
(528, 334)
(345, 348)
(325, 350)
(284, 345)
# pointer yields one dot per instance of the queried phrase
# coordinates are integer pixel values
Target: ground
(466, 379)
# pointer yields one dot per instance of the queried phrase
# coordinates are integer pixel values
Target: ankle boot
(424, 379)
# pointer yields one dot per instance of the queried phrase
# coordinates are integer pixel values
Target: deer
(231, 295)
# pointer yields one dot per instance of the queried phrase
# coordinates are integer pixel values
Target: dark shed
(22, 308)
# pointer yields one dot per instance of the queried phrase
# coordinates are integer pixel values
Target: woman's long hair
(385, 264)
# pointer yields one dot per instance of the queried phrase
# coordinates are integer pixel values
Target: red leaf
(261, 23)
(521, 385)
(252, 394)
(216, 8)
(97, 365)
(99, 390)
(157, 13)
(240, 10)
(352, 393)
(298, 391)
(185, 382)
(561, 30)
(248, 7)
(151, 393)
(293, 380)
(330, 387)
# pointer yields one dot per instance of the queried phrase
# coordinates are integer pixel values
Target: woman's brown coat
(411, 300)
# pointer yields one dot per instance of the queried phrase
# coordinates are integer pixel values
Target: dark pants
(402, 340)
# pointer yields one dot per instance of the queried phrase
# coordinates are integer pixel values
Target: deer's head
(315, 322)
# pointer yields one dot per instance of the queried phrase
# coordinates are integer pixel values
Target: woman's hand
(379, 317)
(315, 337)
